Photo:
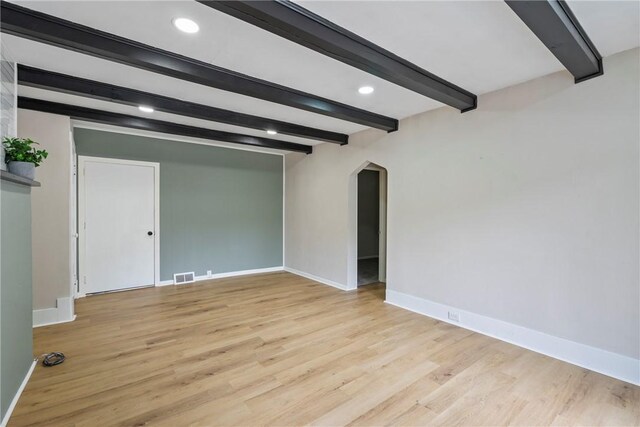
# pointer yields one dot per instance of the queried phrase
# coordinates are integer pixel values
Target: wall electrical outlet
(454, 316)
(209, 274)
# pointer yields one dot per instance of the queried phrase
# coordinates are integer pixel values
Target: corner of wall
(63, 312)
(317, 279)
(16, 397)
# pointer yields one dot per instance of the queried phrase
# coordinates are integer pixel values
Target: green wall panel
(16, 339)
(220, 209)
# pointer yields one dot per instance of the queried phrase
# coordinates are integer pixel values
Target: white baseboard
(228, 274)
(615, 365)
(63, 312)
(14, 402)
(317, 279)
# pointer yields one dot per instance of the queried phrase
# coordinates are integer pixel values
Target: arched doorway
(367, 264)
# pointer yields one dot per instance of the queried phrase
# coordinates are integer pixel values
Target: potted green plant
(22, 156)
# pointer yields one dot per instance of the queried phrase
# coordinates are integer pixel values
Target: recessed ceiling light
(365, 90)
(145, 109)
(272, 132)
(186, 25)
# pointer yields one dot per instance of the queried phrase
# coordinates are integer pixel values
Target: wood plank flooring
(278, 349)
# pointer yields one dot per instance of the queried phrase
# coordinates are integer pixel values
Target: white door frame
(73, 244)
(81, 215)
(382, 231)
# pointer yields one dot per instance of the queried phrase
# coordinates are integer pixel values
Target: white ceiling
(481, 46)
(68, 62)
(613, 26)
(157, 115)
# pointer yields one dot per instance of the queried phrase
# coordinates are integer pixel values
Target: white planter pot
(24, 169)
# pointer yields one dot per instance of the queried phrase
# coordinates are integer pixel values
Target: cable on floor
(52, 359)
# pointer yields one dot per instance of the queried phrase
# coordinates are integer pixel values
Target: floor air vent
(181, 278)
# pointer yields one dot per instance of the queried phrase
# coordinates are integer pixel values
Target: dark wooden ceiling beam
(554, 23)
(40, 27)
(135, 122)
(43, 79)
(299, 25)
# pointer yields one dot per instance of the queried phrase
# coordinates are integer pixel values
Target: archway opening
(368, 228)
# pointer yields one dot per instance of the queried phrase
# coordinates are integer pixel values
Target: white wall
(524, 210)
(51, 214)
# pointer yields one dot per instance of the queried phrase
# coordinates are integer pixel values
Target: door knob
(149, 233)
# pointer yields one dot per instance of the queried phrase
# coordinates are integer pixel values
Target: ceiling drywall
(481, 46)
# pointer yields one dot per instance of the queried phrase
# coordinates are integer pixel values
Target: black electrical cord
(52, 359)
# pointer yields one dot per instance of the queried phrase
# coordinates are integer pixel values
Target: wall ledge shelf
(7, 176)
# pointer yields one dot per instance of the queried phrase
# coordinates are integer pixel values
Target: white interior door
(118, 209)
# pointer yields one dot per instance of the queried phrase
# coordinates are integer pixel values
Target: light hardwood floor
(278, 349)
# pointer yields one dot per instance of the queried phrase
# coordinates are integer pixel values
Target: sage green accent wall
(220, 209)
(16, 340)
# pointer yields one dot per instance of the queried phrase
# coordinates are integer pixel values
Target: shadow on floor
(378, 290)
(367, 271)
